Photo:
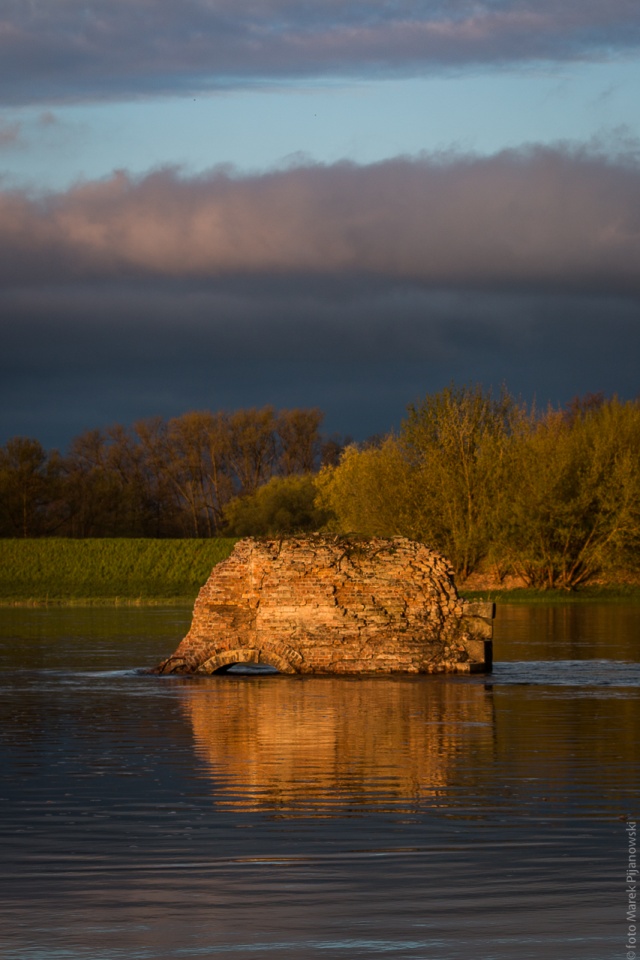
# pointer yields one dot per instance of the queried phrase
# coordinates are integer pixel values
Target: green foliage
(456, 441)
(554, 498)
(371, 492)
(573, 510)
(65, 569)
(284, 505)
(438, 482)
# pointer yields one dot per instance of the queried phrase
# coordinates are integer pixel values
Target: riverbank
(56, 571)
(609, 593)
(622, 586)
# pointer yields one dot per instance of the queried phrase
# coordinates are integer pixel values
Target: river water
(254, 817)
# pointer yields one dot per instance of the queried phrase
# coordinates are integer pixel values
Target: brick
(329, 604)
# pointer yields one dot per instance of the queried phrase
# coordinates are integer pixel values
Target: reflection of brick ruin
(322, 745)
(328, 604)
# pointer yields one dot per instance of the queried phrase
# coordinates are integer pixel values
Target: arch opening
(262, 662)
(249, 670)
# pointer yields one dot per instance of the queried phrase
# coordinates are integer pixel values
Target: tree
(573, 509)
(28, 487)
(252, 447)
(457, 442)
(298, 434)
(107, 486)
(197, 457)
(371, 491)
(439, 482)
(282, 506)
(166, 509)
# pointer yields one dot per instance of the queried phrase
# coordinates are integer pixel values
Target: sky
(217, 204)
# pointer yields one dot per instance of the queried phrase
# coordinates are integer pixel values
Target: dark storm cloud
(354, 289)
(115, 48)
(90, 356)
(538, 219)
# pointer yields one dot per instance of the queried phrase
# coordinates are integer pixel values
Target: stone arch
(221, 660)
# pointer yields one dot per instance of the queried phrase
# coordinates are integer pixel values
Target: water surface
(266, 816)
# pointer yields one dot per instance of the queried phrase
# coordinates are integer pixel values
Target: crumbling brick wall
(334, 605)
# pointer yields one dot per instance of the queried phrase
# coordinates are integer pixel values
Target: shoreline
(610, 593)
(55, 572)
(12, 602)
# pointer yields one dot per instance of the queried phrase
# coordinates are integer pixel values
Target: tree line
(158, 478)
(551, 495)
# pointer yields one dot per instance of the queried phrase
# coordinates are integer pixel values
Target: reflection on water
(323, 747)
(567, 631)
(433, 818)
(336, 743)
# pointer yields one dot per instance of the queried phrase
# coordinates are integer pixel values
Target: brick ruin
(334, 605)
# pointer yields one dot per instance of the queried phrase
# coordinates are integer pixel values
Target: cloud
(79, 358)
(546, 219)
(48, 119)
(115, 48)
(353, 288)
(9, 134)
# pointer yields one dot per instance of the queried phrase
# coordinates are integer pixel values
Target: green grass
(57, 570)
(612, 593)
(128, 571)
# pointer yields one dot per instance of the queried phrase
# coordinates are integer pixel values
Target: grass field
(127, 571)
(57, 570)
